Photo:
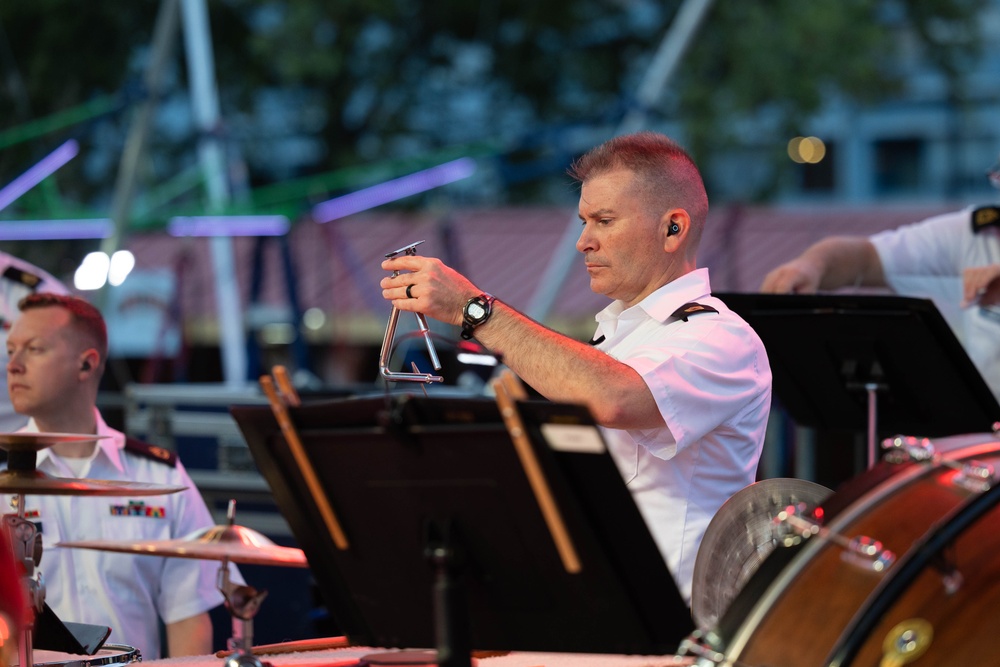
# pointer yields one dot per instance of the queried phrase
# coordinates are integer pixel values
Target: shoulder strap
(692, 308)
(26, 278)
(985, 216)
(148, 451)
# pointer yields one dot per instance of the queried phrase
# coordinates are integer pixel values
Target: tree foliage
(307, 87)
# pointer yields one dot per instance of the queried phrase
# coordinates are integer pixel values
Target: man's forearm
(190, 636)
(846, 260)
(565, 370)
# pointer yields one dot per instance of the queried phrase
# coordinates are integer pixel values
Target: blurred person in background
(953, 258)
(57, 352)
(18, 279)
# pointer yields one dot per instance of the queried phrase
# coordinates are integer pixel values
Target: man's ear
(89, 360)
(675, 223)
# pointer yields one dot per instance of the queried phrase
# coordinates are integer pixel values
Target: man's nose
(14, 362)
(586, 240)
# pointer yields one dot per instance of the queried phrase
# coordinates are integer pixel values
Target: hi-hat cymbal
(739, 538)
(38, 441)
(36, 483)
(235, 543)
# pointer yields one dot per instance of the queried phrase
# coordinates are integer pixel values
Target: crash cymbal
(235, 543)
(739, 538)
(36, 483)
(27, 442)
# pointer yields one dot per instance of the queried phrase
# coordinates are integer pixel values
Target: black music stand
(411, 478)
(829, 351)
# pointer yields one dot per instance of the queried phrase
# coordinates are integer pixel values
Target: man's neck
(83, 421)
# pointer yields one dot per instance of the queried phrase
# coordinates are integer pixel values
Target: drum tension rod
(865, 552)
(973, 475)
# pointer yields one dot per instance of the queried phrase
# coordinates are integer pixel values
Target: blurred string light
(228, 225)
(50, 230)
(806, 150)
(45, 167)
(97, 269)
(390, 191)
(314, 319)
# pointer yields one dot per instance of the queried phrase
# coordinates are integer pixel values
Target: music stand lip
(928, 386)
(392, 466)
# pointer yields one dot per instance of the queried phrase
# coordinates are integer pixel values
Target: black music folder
(410, 478)
(825, 349)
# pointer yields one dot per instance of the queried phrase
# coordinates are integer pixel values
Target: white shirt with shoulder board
(18, 279)
(711, 380)
(126, 592)
(927, 259)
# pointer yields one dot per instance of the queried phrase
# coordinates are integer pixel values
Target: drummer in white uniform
(57, 351)
(953, 259)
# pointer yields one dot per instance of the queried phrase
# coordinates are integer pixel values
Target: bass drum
(905, 570)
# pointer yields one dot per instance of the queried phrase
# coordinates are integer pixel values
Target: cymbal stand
(390, 332)
(243, 603)
(27, 547)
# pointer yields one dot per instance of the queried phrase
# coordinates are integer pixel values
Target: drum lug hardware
(952, 581)
(868, 554)
(789, 528)
(951, 577)
(976, 476)
(699, 644)
(907, 449)
(861, 551)
(906, 642)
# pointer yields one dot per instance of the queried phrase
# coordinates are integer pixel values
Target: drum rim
(855, 509)
(96, 660)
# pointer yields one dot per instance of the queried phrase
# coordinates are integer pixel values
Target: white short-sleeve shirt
(129, 593)
(711, 380)
(927, 259)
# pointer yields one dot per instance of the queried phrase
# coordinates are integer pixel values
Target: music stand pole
(872, 389)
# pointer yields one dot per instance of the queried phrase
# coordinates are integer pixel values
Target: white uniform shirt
(123, 591)
(711, 380)
(927, 259)
(18, 279)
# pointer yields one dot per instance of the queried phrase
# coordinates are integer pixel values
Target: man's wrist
(476, 312)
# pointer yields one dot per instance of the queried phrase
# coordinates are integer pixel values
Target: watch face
(476, 310)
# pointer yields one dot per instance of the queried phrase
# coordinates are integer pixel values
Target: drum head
(739, 538)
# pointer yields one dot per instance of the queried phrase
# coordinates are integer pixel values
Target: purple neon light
(38, 173)
(48, 230)
(228, 225)
(398, 188)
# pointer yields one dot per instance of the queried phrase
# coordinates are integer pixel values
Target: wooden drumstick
(320, 644)
(312, 482)
(285, 386)
(509, 389)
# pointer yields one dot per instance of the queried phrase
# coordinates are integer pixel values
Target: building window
(898, 165)
(817, 177)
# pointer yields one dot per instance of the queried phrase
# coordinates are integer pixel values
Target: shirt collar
(662, 303)
(110, 446)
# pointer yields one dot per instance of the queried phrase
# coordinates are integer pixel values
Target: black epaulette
(692, 308)
(26, 278)
(985, 216)
(148, 451)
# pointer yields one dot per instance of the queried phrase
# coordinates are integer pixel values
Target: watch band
(471, 319)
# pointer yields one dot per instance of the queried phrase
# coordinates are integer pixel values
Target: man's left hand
(981, 286)
(435, 289)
